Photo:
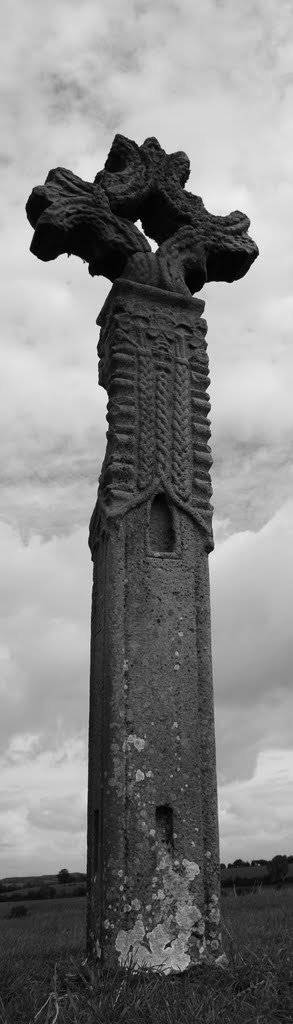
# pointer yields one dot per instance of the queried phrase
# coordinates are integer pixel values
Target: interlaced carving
(157, 391)
(157, 376)
(147, 418)
(181, 430)
(162, 410)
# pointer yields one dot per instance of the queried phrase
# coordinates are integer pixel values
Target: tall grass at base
(43, 980)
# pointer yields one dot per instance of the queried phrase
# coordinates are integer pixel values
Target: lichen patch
(135, 904)
(137, 741)
(163, 954)
(192, 869)
(165, 947)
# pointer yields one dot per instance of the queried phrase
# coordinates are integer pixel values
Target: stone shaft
(153, 848)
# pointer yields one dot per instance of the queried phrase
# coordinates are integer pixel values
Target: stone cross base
(153, 850)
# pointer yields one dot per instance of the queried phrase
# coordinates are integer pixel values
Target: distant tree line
(260, 862)
(276, 872)
(74, 884)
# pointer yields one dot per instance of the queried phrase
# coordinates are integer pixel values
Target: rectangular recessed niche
(161, 527)
(164, 825)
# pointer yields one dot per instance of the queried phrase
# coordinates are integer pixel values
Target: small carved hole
(162, 534)
(164, 825)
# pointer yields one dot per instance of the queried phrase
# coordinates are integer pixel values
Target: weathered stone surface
(153, 858)
(153, 847)
(96, 222)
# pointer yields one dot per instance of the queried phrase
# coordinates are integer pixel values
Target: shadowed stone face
(96, 221)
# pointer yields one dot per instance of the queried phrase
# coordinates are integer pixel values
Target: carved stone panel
(154, 366)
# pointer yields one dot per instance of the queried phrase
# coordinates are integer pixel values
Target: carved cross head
(97, 222)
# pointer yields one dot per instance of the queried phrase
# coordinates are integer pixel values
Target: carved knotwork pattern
(147, 417)
(157, 379)
(181, 430)
(163, 395)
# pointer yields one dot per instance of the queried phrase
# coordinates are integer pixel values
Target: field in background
(44, 886)
(51, 887)
(257, 988)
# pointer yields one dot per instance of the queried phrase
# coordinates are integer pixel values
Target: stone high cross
(153, 849)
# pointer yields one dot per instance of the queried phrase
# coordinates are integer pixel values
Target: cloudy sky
(213, 78)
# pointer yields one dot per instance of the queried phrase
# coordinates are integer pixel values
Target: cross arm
(96, 221)
(70, 215)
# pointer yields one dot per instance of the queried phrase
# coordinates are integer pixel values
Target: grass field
(41, 955)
